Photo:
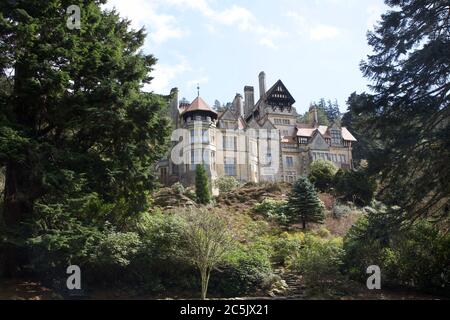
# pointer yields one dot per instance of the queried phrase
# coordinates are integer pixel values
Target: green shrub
(226, 184)
(286, 246)
(415, 257)
(319, 262)
(160, 263)
(323, 233)
(178, 188)
(322, 174)
(246, 269)
(341, 210)
(274, 210)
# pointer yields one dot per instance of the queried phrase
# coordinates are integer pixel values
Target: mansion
(253, 142)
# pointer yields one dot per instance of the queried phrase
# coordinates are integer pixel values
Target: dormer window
(303, 140)
(336, 137)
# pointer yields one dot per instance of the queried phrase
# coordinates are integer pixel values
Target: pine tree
(304, 203)
(202, 185)
(410, 111)
(75, 121)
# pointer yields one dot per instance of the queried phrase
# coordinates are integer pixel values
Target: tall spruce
(410, 110)
(74, 121)
(202, 185)
(304, 204)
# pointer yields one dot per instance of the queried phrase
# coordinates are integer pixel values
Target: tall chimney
(238, 105)
(175, 113)
(249, 103)
(262, 84)
(313, 115)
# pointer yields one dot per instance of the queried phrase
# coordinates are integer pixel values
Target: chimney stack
(249, 103)
(175, 112)
(313, 116)
(238, 105)
(262, 84)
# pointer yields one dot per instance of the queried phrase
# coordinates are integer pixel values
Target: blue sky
(313, 46)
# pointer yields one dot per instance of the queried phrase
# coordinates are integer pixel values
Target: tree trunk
(14, 210)
(304, 223)
(203, 280)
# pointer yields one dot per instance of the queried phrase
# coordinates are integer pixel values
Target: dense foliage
(355, 186)
(413, 257)
(320, 261)
(410, 110)
(322, 174)
(75, 123)
(273, 210)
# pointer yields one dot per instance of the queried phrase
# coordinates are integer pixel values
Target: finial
(198, 89)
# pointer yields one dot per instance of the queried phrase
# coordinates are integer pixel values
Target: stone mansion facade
(253, 142)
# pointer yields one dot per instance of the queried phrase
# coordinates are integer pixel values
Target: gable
(268, 125)
(228, 115)
(253, 124)
(279, 95)
(318, 142)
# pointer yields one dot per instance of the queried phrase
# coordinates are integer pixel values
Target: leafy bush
(274, 210)
(160, 264)
(355, 186)
(178, 188)
(341, 210)
(286, 246)
(323, 232)
(322, 174)
(246, 268)
(226, 184)
(319, 261)
(415, 257)
(77, 232)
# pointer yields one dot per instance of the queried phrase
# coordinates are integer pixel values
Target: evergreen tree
(304, 203)
(410, 112)
(202, 185)
(332, 110)
(354, 120)
(75, 122)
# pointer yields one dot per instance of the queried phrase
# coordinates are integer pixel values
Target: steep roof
(324, 131)
(279, 92)
(346, 135)
(228, 115)
(199, 105)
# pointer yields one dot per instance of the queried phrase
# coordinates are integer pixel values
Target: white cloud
(323, 32)
(160, 27)
(165, 73)
(316, 31)
(234, 16)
